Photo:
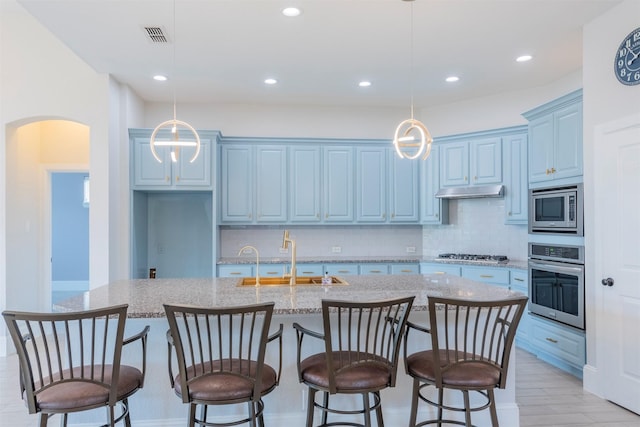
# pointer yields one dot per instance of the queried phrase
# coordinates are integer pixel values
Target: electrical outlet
(336, 249)
(411, 249)
(283, 250)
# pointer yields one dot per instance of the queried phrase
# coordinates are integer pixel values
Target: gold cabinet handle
(343, 271)
(466, 179)
(235, 273)
(375, 271)
(406, 271)
(486, 276)
(547, 172)
(307, 272)
(551, 340)
(475, 178)
(177, 178)
(518, 279)
(553, 170)
(326, 216)
(509, 213)
(166, 178)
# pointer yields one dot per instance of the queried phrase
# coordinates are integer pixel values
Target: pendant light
(412, 139)
(174, 125)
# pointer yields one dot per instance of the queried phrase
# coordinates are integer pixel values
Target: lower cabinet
(341, 269)
(439, 268)
(494, 276)
(560, 345)
(317, 269)
(404, 268)
(310, 269)
(374, 268)
(235, 270)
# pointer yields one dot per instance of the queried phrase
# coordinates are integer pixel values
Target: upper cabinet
(304, 184)
(515, 178)
(472, 162)
(555, 140)
(371, 184)
(404, 189)
(433, 210)
(149, 174)
(254, 183)
(338, 184)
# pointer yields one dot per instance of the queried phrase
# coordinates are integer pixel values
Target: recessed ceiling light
(291, 12)
(160, 78)
(524, 58)
(364, 83)
(270, 81)
(452, 79)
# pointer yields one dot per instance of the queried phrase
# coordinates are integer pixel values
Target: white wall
(605, 100)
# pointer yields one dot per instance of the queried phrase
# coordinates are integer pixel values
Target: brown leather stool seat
(362, 343)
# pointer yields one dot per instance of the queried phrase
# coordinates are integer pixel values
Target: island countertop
(147, 296)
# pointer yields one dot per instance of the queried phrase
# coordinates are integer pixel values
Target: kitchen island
(156, 404)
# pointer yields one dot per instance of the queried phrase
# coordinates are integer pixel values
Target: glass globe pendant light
(174, 125)
(412, 138)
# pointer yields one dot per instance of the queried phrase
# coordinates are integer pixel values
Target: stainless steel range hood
(471, 192)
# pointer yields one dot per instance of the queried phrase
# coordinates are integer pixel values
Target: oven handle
(556, 267)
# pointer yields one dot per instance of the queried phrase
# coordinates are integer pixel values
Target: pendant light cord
(174, 61)
(411, 58)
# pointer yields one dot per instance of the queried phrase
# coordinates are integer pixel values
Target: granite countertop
(146, 296)
(251, 259)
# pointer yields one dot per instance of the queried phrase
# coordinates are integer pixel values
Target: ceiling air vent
(156, 35)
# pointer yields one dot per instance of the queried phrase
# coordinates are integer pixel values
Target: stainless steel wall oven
(556, 283)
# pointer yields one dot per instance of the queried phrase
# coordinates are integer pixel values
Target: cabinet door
(147, 170)
(454, 165)
(341, 269)
(338, 184)
(439, 268)
(568, 142)
(540, 148)
(485, 166)
(271, 184)
(515, 171)
(198, 173)
(235, 270)
(304, 184)
(433, 210)
(371, 184)
(236, 179)
(404, 269)
(495, 276)
(403, 189)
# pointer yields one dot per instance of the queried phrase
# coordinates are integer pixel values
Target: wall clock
(627, 61)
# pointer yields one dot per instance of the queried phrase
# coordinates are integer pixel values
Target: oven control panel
(557, 252)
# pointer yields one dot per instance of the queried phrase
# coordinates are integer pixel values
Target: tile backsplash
(475, 226)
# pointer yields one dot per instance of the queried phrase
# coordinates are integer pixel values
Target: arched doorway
(34, 150)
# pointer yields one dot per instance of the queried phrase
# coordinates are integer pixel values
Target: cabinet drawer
(235, 271)
(498, 276)
(310, 270)
(520, 281)
(439, 269)
(558, 340)
(341, 269)
(374, 268)
(405, 269)
(273, 270)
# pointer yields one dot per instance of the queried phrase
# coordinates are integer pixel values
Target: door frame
(47, 238)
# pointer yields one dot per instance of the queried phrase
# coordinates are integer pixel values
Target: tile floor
(547, 397)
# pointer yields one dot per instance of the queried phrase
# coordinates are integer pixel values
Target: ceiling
(224, 49)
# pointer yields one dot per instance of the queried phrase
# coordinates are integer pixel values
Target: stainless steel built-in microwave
(556, 210)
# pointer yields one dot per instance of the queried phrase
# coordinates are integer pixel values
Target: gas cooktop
(474, 257)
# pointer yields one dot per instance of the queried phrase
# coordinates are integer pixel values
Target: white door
(617, 196)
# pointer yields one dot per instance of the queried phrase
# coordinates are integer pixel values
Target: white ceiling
(224, 49)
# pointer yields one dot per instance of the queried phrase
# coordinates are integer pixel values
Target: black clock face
(627, 61)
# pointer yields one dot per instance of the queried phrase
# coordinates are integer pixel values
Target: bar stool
(220, 355)
(71, 362)
(361, 347)
(471, 343)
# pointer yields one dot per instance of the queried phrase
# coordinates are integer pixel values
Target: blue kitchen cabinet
(237, 189)
(273, 270)
(149, 174)
(555, 141)
(474, 162)
(371, 184)
(235, 270)
(374, 268)
(404, 189)
(304, 183)
(271, 184)
(338, 183)
(516, 179)
(439, 268)
(433, 210)
(309, 269)
(404, 268)
(342, 269)
(558, 344)
(493, 275)
(519, 281)
(454, 167)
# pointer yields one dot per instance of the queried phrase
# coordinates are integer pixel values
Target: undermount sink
(284, 281)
